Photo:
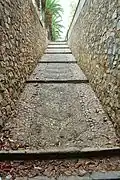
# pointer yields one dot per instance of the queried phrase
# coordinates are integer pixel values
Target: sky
(66, 16)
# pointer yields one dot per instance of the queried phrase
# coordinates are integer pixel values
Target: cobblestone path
(62, 113)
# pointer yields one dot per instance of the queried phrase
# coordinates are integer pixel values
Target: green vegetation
(53, 19)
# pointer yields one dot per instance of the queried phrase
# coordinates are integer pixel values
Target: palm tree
(38, 3)
(56, 28)
(53, 18)
(43, 2)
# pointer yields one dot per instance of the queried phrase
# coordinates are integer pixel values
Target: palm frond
(53, 11)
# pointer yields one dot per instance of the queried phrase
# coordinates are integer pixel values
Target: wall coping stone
(78, 10)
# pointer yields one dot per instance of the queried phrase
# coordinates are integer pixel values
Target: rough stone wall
(22, 43)
(95, 42)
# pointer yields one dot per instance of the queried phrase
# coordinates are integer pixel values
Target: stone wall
(94, 38)
(22, 43)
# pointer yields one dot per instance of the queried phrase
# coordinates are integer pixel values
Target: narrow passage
(58, 108)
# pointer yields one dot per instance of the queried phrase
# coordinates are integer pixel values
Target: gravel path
(60, 115)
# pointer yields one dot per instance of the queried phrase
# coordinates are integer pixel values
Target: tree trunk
(38, 3)
(48, 22)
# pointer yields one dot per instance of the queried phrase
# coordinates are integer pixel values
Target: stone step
(56, 71)
(58, 46)
(57, 81)
(58, 43)
(58, 62)
(113, 175)
(60, 154)
(57, 57)
(58, 51)
(61, 115)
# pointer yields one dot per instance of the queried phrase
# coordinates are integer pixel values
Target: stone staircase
(58, 110)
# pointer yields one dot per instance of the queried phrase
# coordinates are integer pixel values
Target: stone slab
(58, 43)
(55, 71)
(24, 178)
(42, 178)
(57, 57)
(64, 50)
(59, 154)
(58, 46)
(74, 178)
(105, 175)
(61, 115)
(113, 175)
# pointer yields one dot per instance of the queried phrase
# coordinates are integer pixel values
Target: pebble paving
(61, 115)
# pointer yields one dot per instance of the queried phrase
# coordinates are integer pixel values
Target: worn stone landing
(57, 46)
(58, 43)
(54, 71)
(57, 57)
(60, 115)
(61, 50)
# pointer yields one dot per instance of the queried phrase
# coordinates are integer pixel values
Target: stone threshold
(53, 47)
(53, 154)
(58, 43)
(111, 175)
(58, 81)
